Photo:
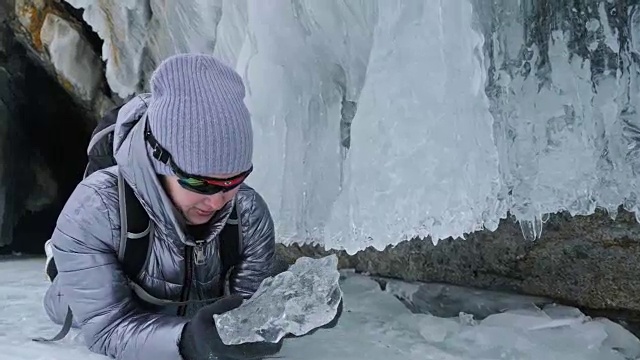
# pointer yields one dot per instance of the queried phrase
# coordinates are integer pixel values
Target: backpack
(135, 223)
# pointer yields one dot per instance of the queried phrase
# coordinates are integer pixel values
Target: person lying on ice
(195, 232)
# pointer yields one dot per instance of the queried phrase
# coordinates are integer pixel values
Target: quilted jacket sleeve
(258, 245)
(91, 280)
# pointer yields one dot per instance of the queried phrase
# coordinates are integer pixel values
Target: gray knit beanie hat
(198, 115)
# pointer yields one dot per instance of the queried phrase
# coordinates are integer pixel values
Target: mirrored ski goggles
(210, 186)
(199, 184)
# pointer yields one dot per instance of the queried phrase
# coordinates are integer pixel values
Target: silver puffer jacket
(90, 279)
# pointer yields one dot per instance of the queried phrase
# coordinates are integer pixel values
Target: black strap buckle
(158, 152)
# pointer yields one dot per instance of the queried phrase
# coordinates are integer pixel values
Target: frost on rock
(293, 302)
(138, 34)
(72, 56)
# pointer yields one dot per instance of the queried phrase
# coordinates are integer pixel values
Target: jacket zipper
(199, 253)
(186, 286)
(194, 255)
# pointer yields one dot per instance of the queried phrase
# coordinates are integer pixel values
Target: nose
(215, 201)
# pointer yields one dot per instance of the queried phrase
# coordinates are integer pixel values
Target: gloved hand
(200, 339)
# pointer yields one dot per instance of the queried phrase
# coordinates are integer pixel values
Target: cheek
(230, 194)
(192, 199)
(185, 198)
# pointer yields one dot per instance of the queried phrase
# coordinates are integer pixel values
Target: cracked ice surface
(374, 325)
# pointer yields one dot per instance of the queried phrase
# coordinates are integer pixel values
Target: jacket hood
(134, 163)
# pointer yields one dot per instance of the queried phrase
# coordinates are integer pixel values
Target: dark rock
(9, 139)
(586, 261)
(39, 166)
(5, 119)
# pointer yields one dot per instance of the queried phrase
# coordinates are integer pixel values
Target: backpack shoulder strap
(136, 231)
(134, 244)
(100, 148)
(230, 238)
(66, 327)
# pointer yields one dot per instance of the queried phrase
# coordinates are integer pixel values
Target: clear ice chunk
(620, 339)
(299, 300)
(449, 300)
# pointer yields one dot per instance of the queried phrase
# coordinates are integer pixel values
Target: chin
(198, 220)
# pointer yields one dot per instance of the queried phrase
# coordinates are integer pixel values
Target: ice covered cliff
(381, 120)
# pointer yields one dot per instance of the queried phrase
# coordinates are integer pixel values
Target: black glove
(200, 339)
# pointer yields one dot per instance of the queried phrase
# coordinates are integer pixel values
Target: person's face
(196, 208)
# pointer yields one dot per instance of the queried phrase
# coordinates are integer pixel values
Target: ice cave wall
(378, 121)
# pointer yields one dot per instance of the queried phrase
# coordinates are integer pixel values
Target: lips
(204, 213)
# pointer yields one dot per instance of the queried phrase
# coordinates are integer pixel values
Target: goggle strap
(235, 181)
(158, 151)
(160, 154)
